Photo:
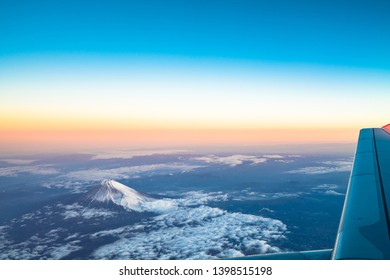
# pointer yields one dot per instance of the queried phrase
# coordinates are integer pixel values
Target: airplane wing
(364, 230)
(305, 255)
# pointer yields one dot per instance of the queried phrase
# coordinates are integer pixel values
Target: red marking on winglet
(387, 127)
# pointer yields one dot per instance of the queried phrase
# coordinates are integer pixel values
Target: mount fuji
(111, 191)
(119, 194)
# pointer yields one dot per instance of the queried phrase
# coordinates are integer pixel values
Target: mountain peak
(122, 195)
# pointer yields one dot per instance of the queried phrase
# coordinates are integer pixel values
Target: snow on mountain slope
(112, 191)
(130, 199)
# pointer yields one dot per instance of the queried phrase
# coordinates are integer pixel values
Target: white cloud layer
(36, 170)
(327, 189)
(52, 243)
(97, 175)
(187, 229)
(17, 161)
(136, 153)
(285, 160)
(249, 194)
(182, 228)
(332, 192)
(73, 186)
(38, 246)
(194, 233)
(274, 156)
(60, 252)
(326, 167)
(76, 210)
(233, 160)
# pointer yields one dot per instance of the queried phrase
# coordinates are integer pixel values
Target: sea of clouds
(187, 229)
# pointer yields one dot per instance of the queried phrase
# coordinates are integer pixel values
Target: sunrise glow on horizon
(134, 83)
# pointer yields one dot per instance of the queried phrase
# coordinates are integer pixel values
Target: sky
(77, 75)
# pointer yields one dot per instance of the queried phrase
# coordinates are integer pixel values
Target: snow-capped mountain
(119, 194)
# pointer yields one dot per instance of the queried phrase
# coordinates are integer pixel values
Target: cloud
(332, 192)
(233, 160)
(266, 196)
(131, 154)
(73, 186)
(116, 231)
(327, 189)
(60, 252)
(36, 170)
(52, 243)
(265, 209)
(274, 156)
(76, 210)
(194, 233)
(249, 194)
(200, 198)
(187, 229)
(97, 175)
(159, 206)
(285, 160)
(18, 161)
(39, 246)
(282, 159)
(326, 167)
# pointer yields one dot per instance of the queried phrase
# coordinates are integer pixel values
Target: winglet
(387, 127)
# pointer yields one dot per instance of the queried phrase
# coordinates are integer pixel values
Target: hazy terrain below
(169, 204)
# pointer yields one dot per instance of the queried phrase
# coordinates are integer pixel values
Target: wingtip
(386, 127)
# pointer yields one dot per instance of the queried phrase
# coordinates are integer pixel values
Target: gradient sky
(83, 74)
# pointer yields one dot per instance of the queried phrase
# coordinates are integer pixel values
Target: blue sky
(337, 33)
(192, 71)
